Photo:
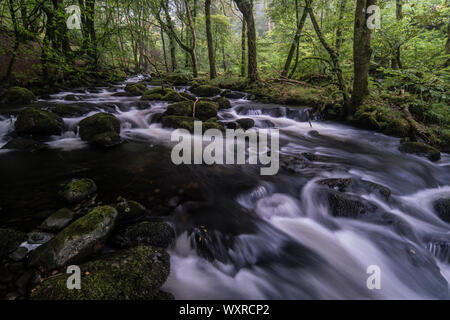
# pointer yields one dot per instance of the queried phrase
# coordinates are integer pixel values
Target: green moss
(134, 274)
(97, 124)
(78, 190)
(107, 139)
(157, 93)
(231, 83)
(204, 110)
(223, 103)
(32, 121)
(421, 149)
(18, 95)
(397, 128)
(206, 91)
(136, 89)
(129, 210)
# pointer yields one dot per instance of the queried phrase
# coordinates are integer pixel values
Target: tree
(211, 57)
(362, 52)
(246, 8)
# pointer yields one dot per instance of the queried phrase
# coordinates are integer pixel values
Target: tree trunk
(193, 49)
(243, 48)
(339, 39)
(447, 46)
(166, 65)
(295, 43)
(212, 61)
(246, 8)
(16, 41)
(396, 60)
(361, 53)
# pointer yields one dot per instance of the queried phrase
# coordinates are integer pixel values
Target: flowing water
(247, 236)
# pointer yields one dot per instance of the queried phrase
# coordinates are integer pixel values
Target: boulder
(57, 221)
(17, 95)
(24, 144)
(356, 186)
(348, 206)
(32, 121)
(129, 210)
(179, 78)
(10, 240)
(204, 110)
(232, 94)
(246, 123)
(442, 208)
(79, 241)
(136, 89)
(156, 234)
(223, 103)
(421, 149)
(101, 129)
(134, 274)
(205, 91)
(78, 190)
(38, 237)
(187, 123)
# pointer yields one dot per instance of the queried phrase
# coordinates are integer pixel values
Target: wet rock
(223, 103)
(24, 144)
(156, 234)
(78, 190)
(205, 91)
(134, 274)
(421, 149)
(233, 94)
(442, 208)
(204, 110)
(129, 210)
(313, 157)
(57, 221)
(80, 240)
(6, 275)
(26, 281)
(66, 111)
(164, 296)
(17, 95)
(179, 78)
(160, 93)
(187, 123)
(107, 139)
(348, 206)
(340, 185)
(123, 94)
(356, 186)
(37, 237)
(19, 254)
(246, 123)
(32, 121)
(157, 118)
(10, 241)
(102, 128)
(230, 125)
(72, 97)
(136, 89)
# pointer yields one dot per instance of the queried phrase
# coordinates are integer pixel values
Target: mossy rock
(79, 241)
(442, 208)
(204, 110)
(10, 240)
(133, 274)
(98, 124)
(157, 93)
(153, 97)
(397, 128)
(136, 89)
(223, 103)
(187, 123)
(78, 190)
(32, 121)
(17, 95)
(57, 221)
(123, 94)
(66, 111)
(246, 123)
(343, 205)
(187, 96)
(179, 78)
(107, 139)
(156, 234)
(129, 210)
(232, 94)
(24, 144)
(421, 149)
(72, 97)
(206, 91)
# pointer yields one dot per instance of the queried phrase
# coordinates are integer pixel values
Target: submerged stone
(156, 234)
(442, 208)
(57, 221)
(78, 190)
(421, 149)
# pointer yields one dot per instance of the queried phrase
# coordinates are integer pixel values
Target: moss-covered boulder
(32, 121)
(134, 274)
(153, 94)
(246, 123)
(101, 129)
(178, 78)
(223, 103)
(10, 241)
(421, 149)
(397, 128)
(205, 91)
(355, 186)
(79, 241)
(129, 210)
(187, 123)
(68, 110)
(442, 208)
(136, 89)
(204, 110)
(78, 190)
(156, 234)
(17, 95)
(57, 221)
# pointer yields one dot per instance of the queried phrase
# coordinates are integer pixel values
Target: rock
(187, 123)
(72, 97)
(157, 93)
(24, 144)
(442, 208)
(179, 78)
(204, 110)
(66, 111)
(397, 128)
(421, 149)
(156, 234)
(356, 186)
(32, 121)
(129, 210)
(37, 237)
(157, 118)
(5, 275)
(246, 123)
(10, 240)
(164, 296)
(205, 91)
(78, 190)
(17, 95)
(232, 94)
(187, 96)
(340, 185)
(27, 281)
(107, 139)
(136, 89)
(134, 274)
(101, 129)
(223, 103)
(19, 254)
(57, 221)
(348, 206)
(123, 94)
(80, 240)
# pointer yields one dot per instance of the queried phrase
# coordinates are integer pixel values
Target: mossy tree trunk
(212, 60)
(243, 49)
